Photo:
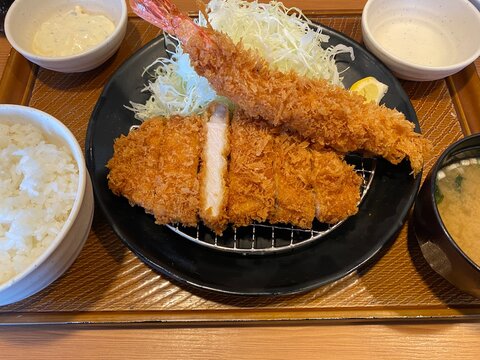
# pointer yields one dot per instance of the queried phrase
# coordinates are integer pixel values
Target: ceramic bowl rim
(399, 61)
(119, 28)
(77, 154)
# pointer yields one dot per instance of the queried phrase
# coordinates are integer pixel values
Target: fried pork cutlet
(294, 198)
(133, 167)
(272, 175)
(213, 172)
(336, 186)
(279, 177)
(251, 194)
(156, 167)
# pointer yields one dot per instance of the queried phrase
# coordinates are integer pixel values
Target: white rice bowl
(46, 201)
(38, 184)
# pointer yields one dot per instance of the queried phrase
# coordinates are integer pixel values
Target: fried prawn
(327, 114)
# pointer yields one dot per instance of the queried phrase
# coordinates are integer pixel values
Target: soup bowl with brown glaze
(439, 248)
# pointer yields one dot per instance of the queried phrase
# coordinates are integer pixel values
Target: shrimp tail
(166, 15)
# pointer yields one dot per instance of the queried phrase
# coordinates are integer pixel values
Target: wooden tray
(108, 284)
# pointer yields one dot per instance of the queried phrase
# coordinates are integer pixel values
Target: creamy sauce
(71, 33)
(458, 201)
(415, 41)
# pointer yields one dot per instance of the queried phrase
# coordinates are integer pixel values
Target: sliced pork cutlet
(156, 167)
(336, 186)
(251, 194)
(294, 197)
(214, 169)
(134, 165)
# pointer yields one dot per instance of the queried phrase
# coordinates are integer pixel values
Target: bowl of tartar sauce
(67, 35)
(422, 40)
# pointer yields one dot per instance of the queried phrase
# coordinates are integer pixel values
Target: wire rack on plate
(263, 238)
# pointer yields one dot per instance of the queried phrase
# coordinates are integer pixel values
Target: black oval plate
(357, 241)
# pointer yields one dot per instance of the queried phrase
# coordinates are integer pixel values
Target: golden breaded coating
(294, 198)
(214, 169)
(316, 109)
(134, 165)
(336, 186)
(251, 182)
(325, 113)
(272, 175)
(156, 167)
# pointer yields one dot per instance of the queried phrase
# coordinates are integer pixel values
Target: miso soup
(457, 194)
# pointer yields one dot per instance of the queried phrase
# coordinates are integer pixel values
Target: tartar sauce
(416, 41)
(71, 33)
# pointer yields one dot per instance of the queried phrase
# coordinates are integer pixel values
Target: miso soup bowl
(438, 247)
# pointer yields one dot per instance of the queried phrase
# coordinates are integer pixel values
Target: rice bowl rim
(39, 119)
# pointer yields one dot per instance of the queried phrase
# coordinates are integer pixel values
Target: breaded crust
(134, 165)
(294, 198)
(272, 175)
(251, 180)
(156, 167)
(336, 186)
(326, 114)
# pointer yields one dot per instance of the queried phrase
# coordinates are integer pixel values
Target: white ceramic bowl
(64, 249)
(25, 17)
(422, 39)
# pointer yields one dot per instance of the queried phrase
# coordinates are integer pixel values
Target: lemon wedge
(370, 88)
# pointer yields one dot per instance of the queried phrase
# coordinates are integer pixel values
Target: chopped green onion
(458, 183)
(438, 195)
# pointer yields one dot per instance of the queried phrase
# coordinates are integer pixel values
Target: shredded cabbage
(284, 37)
(176, 88)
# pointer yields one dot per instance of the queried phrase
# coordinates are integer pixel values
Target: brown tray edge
(465, 91)
(17, 80)
(255, 317)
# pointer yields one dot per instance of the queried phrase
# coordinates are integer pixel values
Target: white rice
(38, 183)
